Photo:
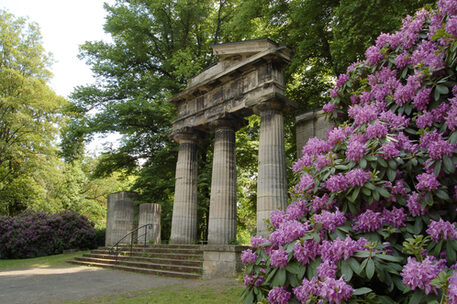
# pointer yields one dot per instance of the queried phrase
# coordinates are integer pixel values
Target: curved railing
(117, 248)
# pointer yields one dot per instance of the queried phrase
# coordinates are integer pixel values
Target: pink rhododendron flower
(427, 181)
(335, 291)
(307, 252)
(278, 295)
(369, 221)
(248, 257)
(278, 258)
(420, 275)
(355, 150)
(357, 177)
(336, 183)
(442, 230)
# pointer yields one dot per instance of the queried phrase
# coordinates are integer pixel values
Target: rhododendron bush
(373, 218)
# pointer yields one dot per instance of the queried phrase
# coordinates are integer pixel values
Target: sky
(64, 25)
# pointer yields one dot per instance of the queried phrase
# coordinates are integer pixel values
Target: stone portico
(247, 80)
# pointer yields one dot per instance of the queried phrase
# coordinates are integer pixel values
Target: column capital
(186, 134)
(228, 121)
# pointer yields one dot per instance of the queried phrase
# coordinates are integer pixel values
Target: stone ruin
(247, 80)
(121, 218)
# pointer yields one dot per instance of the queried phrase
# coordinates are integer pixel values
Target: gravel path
(59, 284)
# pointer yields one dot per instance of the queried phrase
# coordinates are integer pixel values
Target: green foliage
(30, 113)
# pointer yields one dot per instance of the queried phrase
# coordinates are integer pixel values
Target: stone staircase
(183, 261)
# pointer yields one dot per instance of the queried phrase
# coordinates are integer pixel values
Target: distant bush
(34, 234)
(100, 237)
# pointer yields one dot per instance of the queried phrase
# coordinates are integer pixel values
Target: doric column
(222, 209)
(184, 220)
(271, 181)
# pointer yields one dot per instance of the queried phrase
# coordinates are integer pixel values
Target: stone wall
(308, 125)
(222, 260)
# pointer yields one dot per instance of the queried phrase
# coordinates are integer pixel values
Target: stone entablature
(248, 74)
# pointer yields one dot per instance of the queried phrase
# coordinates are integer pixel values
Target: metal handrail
(120, 249)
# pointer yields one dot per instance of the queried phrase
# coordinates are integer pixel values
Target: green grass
(46, 261)
(204, 294)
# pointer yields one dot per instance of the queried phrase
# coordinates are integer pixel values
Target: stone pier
(248, 79)
(150, 214)
(120, 216)
(184, 219)
(222, 209)
(272, 180)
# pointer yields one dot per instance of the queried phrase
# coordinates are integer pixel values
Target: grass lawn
(204, 294)
(46, 261)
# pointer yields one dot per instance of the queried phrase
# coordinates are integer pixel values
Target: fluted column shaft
(272, 180)
(184, 219)
(222, 210)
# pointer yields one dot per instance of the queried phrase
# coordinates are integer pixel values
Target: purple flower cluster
(369, 221)
(278, 295)
(330, 220)
(357, 177)
(278, 258)
(442, 230)
(306, 252)
(289, 231)
(427, 181)
(420, 275)
(33, 234)
(452, 290)
(333, 290)
(250, 281)
(248, 257)
(337, 250)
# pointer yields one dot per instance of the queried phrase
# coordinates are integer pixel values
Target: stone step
(141, 253)
(167, 267)
(184, 262)
(160, 250)
(139, 270)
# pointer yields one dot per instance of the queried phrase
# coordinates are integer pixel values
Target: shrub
(373, 218)
(33, 234)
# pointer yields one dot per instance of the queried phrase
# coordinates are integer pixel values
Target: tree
(30, 113)
(157, 46)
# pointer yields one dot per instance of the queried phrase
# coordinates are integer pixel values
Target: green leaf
(453, 138)
(442, 89)
(442, 195)
(294, 268)
(391, 174)
(361, 291)
(250, 297)
(280, 278)
(363, 163)
(416, 297)
(390, 258)
(354, 195)
(376, 195)
(370, 269)
(271, 275)
(346, 270)
(450, 253)
(370, 186)
(436, 95)
(392, 164)
(355, 266)
(418, 225)
(366, 191)
(384, 192)
(436, 251)
(437, 168)
(449, 166)
(382, 162)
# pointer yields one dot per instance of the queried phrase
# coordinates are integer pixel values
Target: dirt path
(59, 284)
